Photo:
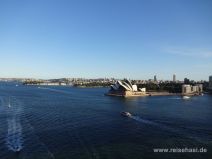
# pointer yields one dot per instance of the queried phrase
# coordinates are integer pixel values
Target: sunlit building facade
(189, 89)
(125, 88)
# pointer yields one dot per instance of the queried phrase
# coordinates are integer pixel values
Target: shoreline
(150, 94)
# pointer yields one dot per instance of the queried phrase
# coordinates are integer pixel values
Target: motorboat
(17, 150)
(126, 114)
(186, 97)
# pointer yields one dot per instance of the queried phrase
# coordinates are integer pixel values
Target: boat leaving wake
(178, 131)
(137, 118)
(14, 138)
(152, 123)
(20, 135)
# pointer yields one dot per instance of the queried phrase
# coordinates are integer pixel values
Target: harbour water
(73, 123)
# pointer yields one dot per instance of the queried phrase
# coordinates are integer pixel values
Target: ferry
(126, 114)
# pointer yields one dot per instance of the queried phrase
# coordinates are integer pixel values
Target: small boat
(186, 97)
(126, 114)
(17, 150)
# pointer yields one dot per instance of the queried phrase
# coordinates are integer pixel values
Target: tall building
(210, 82)
(174, 78)
(155, 78)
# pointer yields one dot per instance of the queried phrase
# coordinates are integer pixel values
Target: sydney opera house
(126, 88)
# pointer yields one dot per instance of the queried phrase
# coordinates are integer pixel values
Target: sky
(133, 39)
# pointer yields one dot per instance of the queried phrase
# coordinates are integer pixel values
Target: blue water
(74, 123)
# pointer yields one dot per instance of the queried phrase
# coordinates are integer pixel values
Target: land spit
(143, 94)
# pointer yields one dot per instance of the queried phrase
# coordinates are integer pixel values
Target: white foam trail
(20, 133)
(137, 118)
(145, 121)
(14, 138)
(167, 128)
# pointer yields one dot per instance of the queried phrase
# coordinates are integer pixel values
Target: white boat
(18, 150)
(126, 114)
(186, 97)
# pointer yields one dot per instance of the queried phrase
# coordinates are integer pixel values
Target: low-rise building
(186, 88)
(192, 90)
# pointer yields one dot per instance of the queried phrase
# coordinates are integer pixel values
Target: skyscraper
(210, 82)
(174, 78)
(155, 78)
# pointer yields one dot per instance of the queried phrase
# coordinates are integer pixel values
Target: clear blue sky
(136, 39)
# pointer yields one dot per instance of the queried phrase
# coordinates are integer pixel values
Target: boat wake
(20, 136)
(14, 138)
(152, 123)
(137, 118)
(175, 130)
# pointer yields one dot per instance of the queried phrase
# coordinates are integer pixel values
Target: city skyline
(132, 39)
(154, 79)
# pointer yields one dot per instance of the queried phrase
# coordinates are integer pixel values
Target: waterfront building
(200, 87)
(194, 88)
(125, 88)
(188, 89)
